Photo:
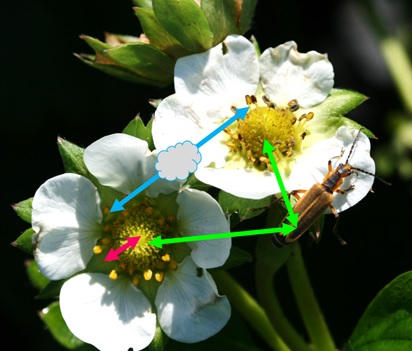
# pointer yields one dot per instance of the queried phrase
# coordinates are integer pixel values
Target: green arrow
(268, 148)
(159, 242)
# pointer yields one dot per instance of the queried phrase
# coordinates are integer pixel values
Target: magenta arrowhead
(132, 241)
(111, 256)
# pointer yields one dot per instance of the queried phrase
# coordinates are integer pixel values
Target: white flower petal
(200, 214)
(360, 159)
(120, 161)
(249, 184)
(287, 74)
(67, 219)
(109, 314)
(188, 121)
(314, 164)
(220, 77)
(189, 306)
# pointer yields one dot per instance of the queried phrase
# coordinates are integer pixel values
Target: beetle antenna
(373, 175)
(353, 146)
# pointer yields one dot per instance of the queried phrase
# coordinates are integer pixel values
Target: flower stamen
(280, 126)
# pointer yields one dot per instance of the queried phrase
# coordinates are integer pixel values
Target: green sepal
(246, 17)
(137, 129)
(113, 70)
(330, 125)
(38, 280)
(157, 35)
(51, 290)
(159, 341)
(140, 63)
(237, 257)
(194, 183)
(146, 4)
(387, 322)
(144, 60)
(97, 45)
(340, 102)
(72, 156)
(186, 22)
(24, 209)
(24, 241)
(53, 318)
(222, 16)
(245, 208)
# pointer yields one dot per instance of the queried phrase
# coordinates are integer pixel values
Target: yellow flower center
(282, 127)
(145, 261)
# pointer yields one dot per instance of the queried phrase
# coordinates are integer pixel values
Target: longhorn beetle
(318, 198)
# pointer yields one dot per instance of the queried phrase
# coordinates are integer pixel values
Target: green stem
(268, 261)
(393, 52)
(400, 68)
(311, 314)
(249, 309)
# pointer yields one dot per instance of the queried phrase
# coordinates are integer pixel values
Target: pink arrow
(113, 255)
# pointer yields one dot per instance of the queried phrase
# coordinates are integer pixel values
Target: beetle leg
(335, 227)
(295, 193)
(343, 192)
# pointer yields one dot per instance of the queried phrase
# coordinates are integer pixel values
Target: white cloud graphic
(178, 161)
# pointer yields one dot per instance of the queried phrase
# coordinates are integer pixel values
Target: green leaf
(23, 209)
(245, 208)
(24, 241)
(38, 280)
(185, 20)
(339, 103)
(137, 129)
(222, 16)
(144, 60)
(53, 318)
(387, 321)
(157, 35)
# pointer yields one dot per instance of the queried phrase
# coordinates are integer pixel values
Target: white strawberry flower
(110, 304)
(289, 94)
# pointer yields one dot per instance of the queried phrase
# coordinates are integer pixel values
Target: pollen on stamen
(105, 240)
(113, 275)
(97, 249)
(135, 281)
(106, 210)
(166, 258)
(173, 265)
(147, 275)
(149, 211)
(159, 276)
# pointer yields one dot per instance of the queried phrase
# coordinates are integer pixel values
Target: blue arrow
(118, 205)
(240, 113)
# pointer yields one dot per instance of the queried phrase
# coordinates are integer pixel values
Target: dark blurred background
(46, 92)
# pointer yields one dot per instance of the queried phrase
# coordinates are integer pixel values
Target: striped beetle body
(315, 201)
